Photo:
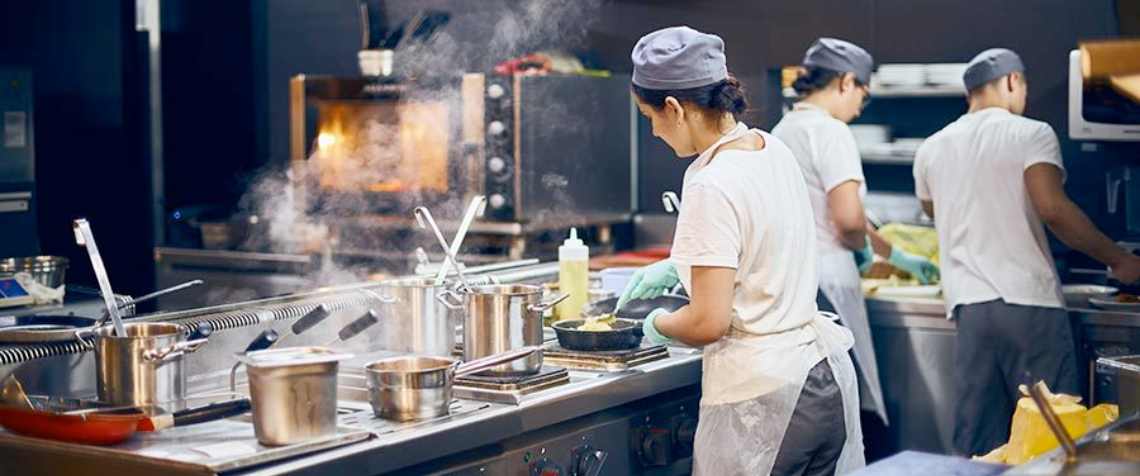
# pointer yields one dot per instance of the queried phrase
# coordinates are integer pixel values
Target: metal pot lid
(40, 329)
(289, 356)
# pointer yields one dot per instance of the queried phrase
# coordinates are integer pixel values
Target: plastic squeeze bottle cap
(573, 247)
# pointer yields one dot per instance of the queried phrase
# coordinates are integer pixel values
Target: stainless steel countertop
(927, 312)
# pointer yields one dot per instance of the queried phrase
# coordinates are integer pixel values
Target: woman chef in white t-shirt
(779, 392)
(833, 90)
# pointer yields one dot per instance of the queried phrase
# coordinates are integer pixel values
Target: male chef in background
(989, 180)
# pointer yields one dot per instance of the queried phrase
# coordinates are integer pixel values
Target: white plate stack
(900, 75)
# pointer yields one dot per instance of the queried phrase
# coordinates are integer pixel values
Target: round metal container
(416, 321)
(501, 318)
(124, 373)
(293, 393)
(49, 271)
(410, 388)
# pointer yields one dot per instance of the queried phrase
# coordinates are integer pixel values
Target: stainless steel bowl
(410, 388)
(49, 271)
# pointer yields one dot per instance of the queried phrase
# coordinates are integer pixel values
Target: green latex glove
(864, 257)
(649, 328)
(649, 282)
(921, 268)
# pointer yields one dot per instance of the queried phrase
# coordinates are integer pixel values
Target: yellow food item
(1029, 435)
(919, 240)
(599, 323)
(595, 326)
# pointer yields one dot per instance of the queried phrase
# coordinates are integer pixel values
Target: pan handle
(164, 354)
(85, 336)
(546, 305)
(484, 363)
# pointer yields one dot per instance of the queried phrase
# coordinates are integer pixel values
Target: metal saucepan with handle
(408, 388)
(504, 317)
(623, 334)
(144, 365)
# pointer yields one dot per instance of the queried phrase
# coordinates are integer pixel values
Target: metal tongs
(425, 221)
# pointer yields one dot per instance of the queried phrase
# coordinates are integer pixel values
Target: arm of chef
(709, 242)
(1044, 184)
(840, 169)
(921, 189)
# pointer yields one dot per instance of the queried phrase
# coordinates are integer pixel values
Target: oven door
(371, 146)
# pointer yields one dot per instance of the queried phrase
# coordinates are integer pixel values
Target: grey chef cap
(840, 56)
(678, 58)
(990, 65)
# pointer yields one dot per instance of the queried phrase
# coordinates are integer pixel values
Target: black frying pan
(637, 309)
(626, 334)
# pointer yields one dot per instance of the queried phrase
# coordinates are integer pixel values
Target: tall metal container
(415, 319)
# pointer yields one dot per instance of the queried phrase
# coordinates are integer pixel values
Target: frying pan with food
(622, 334)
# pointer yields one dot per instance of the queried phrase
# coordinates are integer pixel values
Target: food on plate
(1126, 298)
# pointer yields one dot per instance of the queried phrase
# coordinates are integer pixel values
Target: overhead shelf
(929, 91)
(887, 159)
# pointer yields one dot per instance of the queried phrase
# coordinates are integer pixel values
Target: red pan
(105, 428)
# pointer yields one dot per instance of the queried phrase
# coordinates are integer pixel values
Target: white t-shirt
(992, 242)
(749, 210)
(828, 156)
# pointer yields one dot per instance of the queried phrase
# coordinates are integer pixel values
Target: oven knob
(545, 467)
(495, 91)
(656, 447)
(684, 432)
(496, 165)
(586, 460)
(496, 128)
(497, 201)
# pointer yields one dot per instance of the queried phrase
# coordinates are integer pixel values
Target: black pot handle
(211, 412)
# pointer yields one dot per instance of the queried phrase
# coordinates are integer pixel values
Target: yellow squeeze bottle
(573, 276)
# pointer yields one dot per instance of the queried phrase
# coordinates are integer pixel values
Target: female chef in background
(779, 392)
(833, 89)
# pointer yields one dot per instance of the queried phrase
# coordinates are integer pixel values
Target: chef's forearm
(707, 317)
(880, 245)
(688, 327)
(1076, 231)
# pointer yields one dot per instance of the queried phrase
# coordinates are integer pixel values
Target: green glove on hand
(864, 257)
(649, 282)
(921, 268)
(649, 328)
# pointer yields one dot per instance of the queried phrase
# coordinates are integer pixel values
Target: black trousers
(999, 347)
(817, 431)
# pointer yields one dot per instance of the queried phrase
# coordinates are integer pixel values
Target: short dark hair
(725, 96)
(813, 79)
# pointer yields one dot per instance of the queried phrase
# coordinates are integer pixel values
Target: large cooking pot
(143, 367)
(419, 321)
(293, 392)
(504, 317)
(411, 387)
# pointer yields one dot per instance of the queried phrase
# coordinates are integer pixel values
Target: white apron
(839, 282)
(750, 385)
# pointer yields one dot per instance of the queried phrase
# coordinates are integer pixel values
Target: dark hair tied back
(813, 79)
(725, 96)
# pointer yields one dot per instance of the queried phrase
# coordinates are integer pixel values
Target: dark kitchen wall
(89, 162)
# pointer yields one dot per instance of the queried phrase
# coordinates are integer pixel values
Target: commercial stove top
(509, 389)
(610, 361)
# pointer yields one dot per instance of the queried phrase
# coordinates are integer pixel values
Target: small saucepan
(623, 334)
(411, 387)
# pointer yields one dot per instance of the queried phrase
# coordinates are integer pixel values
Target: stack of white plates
(945, 74)
(866, 134)
(900, 75)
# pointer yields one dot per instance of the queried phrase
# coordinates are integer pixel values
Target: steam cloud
(481, 34)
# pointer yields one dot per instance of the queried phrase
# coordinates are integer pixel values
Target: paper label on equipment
(15, 129)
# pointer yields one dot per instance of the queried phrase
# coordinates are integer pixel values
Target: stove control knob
(587, 461)
(546, 467)
(656, 447)
(496, 128)
(495, 91)
(684, 432)
(497, 201)
(496, 165)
